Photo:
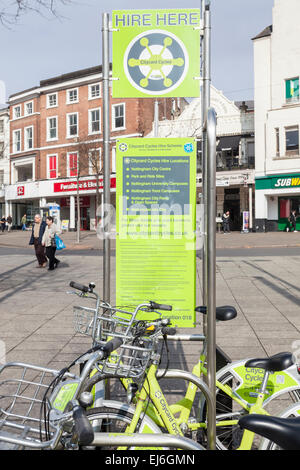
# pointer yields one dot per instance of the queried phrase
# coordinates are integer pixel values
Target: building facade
(277, 118)
(56, 144)
(235, 152)
(4, 157)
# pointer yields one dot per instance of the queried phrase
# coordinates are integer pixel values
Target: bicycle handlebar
(155, 306)
(78, 286)
(82, 426)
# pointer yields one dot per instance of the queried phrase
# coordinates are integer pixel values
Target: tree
(87, 159)
(11, 11)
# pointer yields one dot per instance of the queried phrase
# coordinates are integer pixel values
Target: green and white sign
(156, 205)
(156, 53)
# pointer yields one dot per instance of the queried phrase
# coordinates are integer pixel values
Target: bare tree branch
(12, 11)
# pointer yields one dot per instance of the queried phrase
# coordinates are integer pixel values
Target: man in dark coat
(38, 229)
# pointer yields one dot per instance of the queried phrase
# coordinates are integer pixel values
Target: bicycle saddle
(224, 313)
(285, 432)
(276, 363)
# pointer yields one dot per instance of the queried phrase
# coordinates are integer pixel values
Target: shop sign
(287, 182)
(278, 182)
(20, 190)
(86, 185)
(156, 53)
(156, 208)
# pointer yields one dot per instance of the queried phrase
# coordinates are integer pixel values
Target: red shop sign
(87, 185)
(20, 190)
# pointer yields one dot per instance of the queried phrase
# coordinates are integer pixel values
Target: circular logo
(123, 147)
(156, 62)
(188, 148)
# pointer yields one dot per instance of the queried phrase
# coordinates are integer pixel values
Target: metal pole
(106, 165)
(106, 155)
(205, 101)
(156, 118)
(210, 268)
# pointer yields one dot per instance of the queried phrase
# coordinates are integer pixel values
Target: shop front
(276, 197)
(40, 196)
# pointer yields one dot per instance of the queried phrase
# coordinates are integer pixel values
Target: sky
(40, 46)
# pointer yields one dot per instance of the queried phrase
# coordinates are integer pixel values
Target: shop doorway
(84, 218)
(232, 204)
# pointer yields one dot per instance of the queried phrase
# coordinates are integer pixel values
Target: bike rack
(144, 440)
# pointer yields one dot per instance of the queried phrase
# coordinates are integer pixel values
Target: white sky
(38, 47)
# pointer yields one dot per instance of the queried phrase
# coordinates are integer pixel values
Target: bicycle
(245, 398)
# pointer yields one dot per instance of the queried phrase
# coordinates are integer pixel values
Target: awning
(230, 142)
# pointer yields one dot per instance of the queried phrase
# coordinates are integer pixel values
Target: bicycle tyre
(118, 415)
(229, 437)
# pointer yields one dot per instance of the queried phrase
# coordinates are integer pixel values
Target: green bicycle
(241, 389)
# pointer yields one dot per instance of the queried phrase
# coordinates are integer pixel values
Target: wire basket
(22, 388)
(103, 324)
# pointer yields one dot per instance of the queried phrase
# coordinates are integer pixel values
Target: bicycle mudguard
(250, 380)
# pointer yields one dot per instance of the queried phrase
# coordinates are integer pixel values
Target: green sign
(155, 247)
(278, 182)
(292, 89)
(156, 53)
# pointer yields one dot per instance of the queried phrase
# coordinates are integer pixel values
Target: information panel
(156, 205)
(156, 53)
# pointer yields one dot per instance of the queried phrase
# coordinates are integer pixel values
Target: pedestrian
(23, 222)
(9, 223)
(38, 229)
(3, 223)
(225, 219)
(293, 220)
(49, 242)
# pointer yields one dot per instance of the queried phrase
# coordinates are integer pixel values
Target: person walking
(9, 223)
(38, 229)
(3, 223)
(49, 242)
(23, 222)
(225, 219)
(293, 220)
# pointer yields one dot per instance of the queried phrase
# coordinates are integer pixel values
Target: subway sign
(278, 182)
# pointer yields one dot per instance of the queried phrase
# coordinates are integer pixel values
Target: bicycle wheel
(291, 412)
(114, 417)
(229, 436)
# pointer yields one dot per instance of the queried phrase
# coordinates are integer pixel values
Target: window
(72, 96)
(94, 121)
(1, 177)
(95, 162)
(16, 141)
(118, 115)
(1, 126)
(28, 108)
(72, 125)
(94, 91)
(292, 90)
(52, 166)
(277, 142)
(16, 112)
(113, 160)
(52, 128)
(1, 150)
(72, 164)
(52, 100)
(292, 140)
(28, 144)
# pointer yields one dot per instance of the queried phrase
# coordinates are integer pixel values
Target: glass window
(52, 100)
(1, 126)
(52, 128)
(17, 141)
(72, 164)
(292, 90)
(52, 166)
(94, 91)
(277, 142)
(94, 115)
(292, 140)
(29, 108)
(28, 138)
(72, 125)
(17, 112)
(118, 116)
(72, 95)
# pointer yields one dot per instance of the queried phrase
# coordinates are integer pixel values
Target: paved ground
(263, 284)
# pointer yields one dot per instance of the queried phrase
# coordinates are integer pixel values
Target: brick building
(50, 125)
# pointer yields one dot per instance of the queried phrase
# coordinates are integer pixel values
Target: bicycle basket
(22, 388)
